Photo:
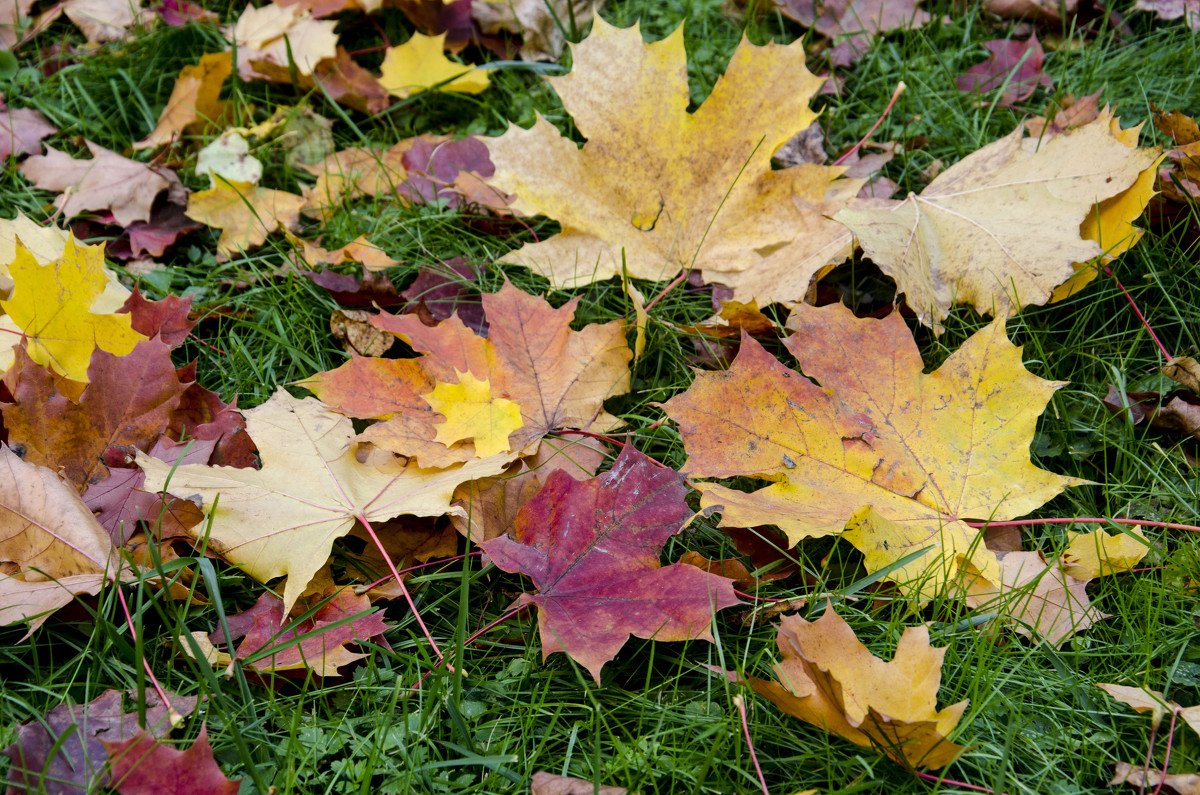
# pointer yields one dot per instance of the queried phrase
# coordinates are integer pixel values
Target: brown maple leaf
(22, 131)
(124, 187)
(898, 456)
(592, 548)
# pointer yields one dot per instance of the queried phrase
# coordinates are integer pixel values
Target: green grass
(661, 722)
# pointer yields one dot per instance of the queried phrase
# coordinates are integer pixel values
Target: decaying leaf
(899, 457)
(57, 307)
(656, 189)
(124, 187)
(1042, 598)
(828, 678)
(244, 213)
(353, 328)
(592, 548)
(539, 23)
(419, 65)
(1000, 229)
(311, 489)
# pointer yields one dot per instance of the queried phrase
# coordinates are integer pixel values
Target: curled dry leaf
(656, 188)
(311, 489)
(1001, 228)
(828, 678)
(899, 457)
(194, 101)
(51, 547)
(592, 548)
(353, 328)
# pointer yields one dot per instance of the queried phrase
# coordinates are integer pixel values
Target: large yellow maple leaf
(1001, 229)
(283, 518)
(894, 457)
(55, 306)
(655, 188)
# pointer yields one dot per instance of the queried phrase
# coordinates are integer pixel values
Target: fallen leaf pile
(486, 412)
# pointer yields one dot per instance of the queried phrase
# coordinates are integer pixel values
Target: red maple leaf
(592, 547)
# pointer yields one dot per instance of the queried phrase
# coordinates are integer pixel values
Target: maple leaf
(51, 547)
(656, 189)
(539, 23)
(64, 746)
(419, 65)
(1143, 699)
(450, 288)
(55, 305)
(544, 783)
(1188, 10)
(352, 173)
(314, 637)
(311, 489)
(22, 131)
(559, 377)
(899, 456)
(128, 401)
(194, 101)
(1153, 779)
(340, 77)
(1100, 554)
(282, 36)
(103, 20)
(1015, 66)
(1000, 229)
(359, 250)
(472, 413)
(124, 187)
(828, 678)
(1042, 597)
(142, 765)
(854, 23)
(244, 213)
(592, 548)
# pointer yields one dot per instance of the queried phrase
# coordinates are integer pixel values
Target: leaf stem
(740, 703)
(952, 782)
(173, 716)
(1085, 520)
(850, 153)
(1162, 349)
(438, 562)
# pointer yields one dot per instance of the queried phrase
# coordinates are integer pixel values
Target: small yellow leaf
(472, 413)
(420, 64)
(1099, 554)
(52, 305)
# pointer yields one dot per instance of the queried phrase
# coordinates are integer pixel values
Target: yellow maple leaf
(420, 64)
(899, 457)
(54, 305)
(1099, 554)
(655, 188)
(828, 678)
(1000, 229)
(244, 213)
(283, 518)
(472, 413)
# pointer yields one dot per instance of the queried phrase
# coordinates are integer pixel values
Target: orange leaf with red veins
(592, 548)
(828, 678)
(144, 766)
(128, 402)
(900, 457)
(323, 650)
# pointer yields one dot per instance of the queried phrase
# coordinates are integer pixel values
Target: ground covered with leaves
(685, 396)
